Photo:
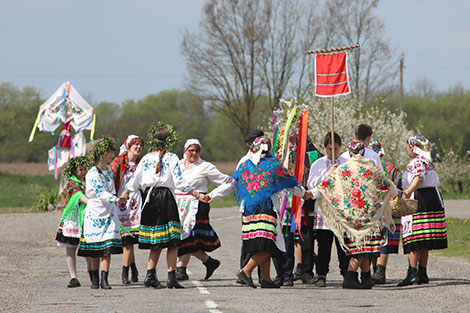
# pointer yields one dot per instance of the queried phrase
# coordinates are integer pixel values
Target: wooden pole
(332, 126)
(332, 49)
(401, 81)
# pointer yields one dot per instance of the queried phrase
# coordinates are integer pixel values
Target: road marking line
(202, 290)
(211, 304)
(224, 218)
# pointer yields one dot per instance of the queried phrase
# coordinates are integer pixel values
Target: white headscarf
(125, 146)
(259, 145)
(189, 143)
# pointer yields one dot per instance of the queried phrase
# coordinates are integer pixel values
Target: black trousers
(307, 246)
(324, 239)
(285, 265)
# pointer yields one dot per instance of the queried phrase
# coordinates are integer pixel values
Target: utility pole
(402, 59)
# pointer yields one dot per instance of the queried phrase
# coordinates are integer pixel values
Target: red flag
(331, 73)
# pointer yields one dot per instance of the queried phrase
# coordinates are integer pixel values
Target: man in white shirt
(363, 133)
(319, 170)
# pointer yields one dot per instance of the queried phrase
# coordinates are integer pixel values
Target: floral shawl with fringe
(355, 198)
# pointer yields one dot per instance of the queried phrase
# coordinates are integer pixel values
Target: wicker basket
(402, 207)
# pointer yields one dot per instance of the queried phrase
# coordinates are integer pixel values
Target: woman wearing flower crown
(159, 171)
(101, 235)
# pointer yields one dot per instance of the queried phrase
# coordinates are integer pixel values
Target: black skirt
(160, 222)
(203, 236)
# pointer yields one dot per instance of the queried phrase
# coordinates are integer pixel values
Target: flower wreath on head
(165, 143)
(73, 164)
(101, 148)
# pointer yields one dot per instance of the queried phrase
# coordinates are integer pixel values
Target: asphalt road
(34, 276)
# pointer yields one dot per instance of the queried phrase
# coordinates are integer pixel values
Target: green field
(458, 236)
(20, 191)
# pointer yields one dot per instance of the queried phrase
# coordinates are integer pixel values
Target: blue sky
(112, 50)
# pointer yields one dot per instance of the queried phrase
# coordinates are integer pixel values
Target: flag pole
(332, 126)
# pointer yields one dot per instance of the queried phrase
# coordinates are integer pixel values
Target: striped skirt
(203, 236)
(99, 249)
(160, 222)
(259, 233)
(425, 229)
(370, 247)
(393, 239)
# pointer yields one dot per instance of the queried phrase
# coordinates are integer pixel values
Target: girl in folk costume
(159, 170)
(101, 235)
(354, 199)
(426, 229)
(70, 225)
(123, 167)
(198, 236)
(257, 182)
(390, 241)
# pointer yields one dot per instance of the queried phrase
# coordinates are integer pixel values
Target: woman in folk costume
(159, 171)
(101, 235)
(71, 222)
(123, 167)
(426, 229)
(257, 182)
(198, 236)
(354, 199)
(390, 241)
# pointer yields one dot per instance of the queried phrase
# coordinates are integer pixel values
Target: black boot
(379, 275)
(366, 280)
(134, 274)
(298, 271)
(95, 279)
(125, 275)
(104, 280)
(151, 280)
(172, 282)
(411, 277)
(350, 281)
(181, 273)
(211, 265)
(422, 275)
(90, 273)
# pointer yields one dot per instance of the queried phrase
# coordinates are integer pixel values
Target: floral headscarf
(421, 146)
(259, 145)
(356, 148)
(376, 146)
(126, 145)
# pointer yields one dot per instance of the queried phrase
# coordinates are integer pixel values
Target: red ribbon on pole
(299, 164)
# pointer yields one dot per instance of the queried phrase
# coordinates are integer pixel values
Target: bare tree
(245, 49)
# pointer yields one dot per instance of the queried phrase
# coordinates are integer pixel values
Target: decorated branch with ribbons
(65, 107)
(289, 120)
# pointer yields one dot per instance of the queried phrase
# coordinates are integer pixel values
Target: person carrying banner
(319, 170)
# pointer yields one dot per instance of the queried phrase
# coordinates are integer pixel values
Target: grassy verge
(20, 191)
(458, 236)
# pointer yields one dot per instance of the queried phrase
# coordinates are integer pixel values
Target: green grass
(20, 191)
(455, 195)
(458, 236)
(227, 201)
